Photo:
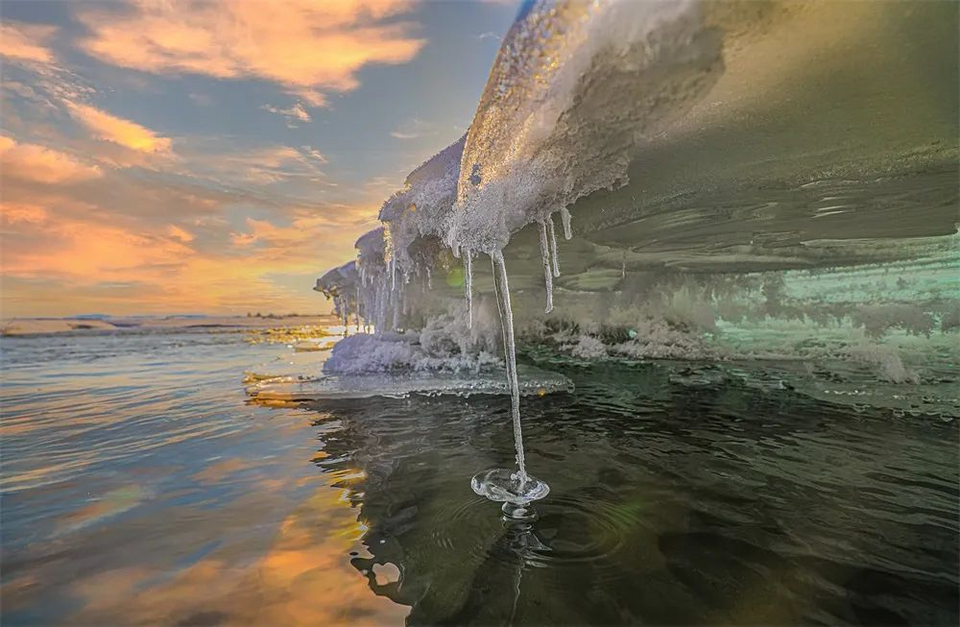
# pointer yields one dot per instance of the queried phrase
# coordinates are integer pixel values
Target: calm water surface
(140, 487)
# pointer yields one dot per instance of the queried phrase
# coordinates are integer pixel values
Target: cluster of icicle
(374, 288)
(575, 85)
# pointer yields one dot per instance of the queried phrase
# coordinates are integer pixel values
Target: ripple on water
(466, 526)
(573, 530)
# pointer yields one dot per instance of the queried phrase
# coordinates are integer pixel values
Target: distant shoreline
(20, 327)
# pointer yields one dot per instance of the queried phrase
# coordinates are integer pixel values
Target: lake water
(140, 486)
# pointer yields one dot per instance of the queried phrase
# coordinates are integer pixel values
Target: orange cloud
(63, 256)
(35, 163)
(293, 114)
(26, 42)
(87, 251)
(176, 232)
(302, 44)
(303, 232)
(13, 213)
(119, 131)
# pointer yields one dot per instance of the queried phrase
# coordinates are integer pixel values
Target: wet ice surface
(367, 366)
(302, 387)
(141, 486)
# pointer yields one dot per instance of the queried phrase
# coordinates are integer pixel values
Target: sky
(216, 156)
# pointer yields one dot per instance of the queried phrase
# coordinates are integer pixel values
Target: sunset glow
(214, 157)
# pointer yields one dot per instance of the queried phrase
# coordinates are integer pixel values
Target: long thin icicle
(340, 303)
(356, 310)
(393, 273)
(547, 271)
(468, 283)
(496, 294)
(383, 303)
(565, 218)
(553, 246)
(397, 302)
(506, 320)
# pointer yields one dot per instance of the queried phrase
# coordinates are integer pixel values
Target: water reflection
(140, 488)
(301, 578)
(160, 496)
(673, 504)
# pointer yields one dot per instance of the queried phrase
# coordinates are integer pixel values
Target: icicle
(506, 320)
(356, 311)
(510, 354)
(429, 279)
(496, 294)
(393, 273)
(547, 272)
(382, 311)
(397, 303)
(468, 283)
(553, 246)
(341, 308)
(382, 302)
(565, 218)
(623, 265)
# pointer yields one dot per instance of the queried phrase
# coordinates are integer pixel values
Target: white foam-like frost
(443, 344)
(420, 209)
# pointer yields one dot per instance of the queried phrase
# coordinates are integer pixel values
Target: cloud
(295, 113)
(414, 129)
(13, 213)
(258, 166)
(202, 100)
(67, 256)
(119, 131)
(178, 233)
(296, 238)
(84, 250)
(99, 213)
(314, 154)
(42, 165)
(26, 42)
(488, 35)
(306, 46)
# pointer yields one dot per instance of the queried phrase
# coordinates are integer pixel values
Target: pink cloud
(26, 42)
(304, 45)
(42, 165)
(118, 130)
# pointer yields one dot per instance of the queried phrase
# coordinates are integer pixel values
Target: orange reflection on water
(218, 470)
(109, 504)
(303, 578)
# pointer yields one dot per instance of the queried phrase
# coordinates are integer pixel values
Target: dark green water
(140, 487)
